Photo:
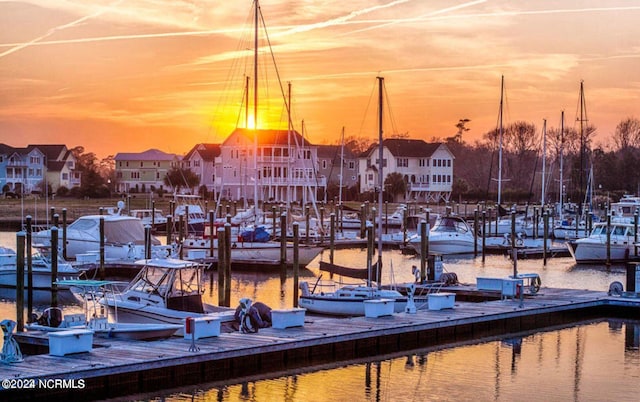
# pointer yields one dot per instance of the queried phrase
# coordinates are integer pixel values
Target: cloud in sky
(125, 66)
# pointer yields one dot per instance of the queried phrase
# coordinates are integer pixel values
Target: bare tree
(627, 134)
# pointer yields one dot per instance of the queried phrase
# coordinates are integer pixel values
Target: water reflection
(580, 363)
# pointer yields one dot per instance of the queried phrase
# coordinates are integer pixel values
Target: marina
(114, 368)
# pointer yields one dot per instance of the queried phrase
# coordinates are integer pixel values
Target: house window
(196, 163)
(324, 164)
(65, 176)
(402, 162)
(352, 165)
(135, 175)
(141, 164)
(448, 162)
(30, 172)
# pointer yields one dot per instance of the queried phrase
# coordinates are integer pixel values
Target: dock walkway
(115, 368)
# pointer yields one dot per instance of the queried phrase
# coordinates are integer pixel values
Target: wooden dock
(116, 368)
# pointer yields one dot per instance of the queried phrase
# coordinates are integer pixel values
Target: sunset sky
(129, 75)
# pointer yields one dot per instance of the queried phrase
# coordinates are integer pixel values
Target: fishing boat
(124, 236)
(451, 234)
(166, 290)
(350, 300)
(53, 319)
(593, 249)
(40, 268)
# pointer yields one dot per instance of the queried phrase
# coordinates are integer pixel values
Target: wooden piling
(169, 230)
(227, 267)
(484, 234)
(332, 236)
(20, 244)
(101, 270)
(221, 267)
(475, 232)
(64, 233)
(211, 234)
(54, 266)
(545, 237)
(29, 253)
(147, 242)
(424, 241)
(296, 262)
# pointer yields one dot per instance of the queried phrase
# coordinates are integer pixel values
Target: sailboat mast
(544, 156)
(561, 163)
(500, 149)
(380, 174)
(341, 166)
(255, 106)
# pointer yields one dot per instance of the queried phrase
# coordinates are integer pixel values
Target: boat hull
(587, 251)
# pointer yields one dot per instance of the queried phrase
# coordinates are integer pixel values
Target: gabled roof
(53, 152)
(406, 147)
(148, 155)
(207, 152)
(271, 137)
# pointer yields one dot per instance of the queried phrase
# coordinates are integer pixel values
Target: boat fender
(304, 287)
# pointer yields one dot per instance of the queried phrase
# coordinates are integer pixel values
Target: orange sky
(126, 76)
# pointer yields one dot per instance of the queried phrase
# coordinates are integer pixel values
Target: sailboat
(350, 299)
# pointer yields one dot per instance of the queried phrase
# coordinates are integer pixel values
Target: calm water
(593, 361)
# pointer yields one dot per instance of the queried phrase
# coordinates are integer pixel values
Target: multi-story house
(427, 168)
(143, 171)
(61, 167)
(334, 161)
(201, 160)
(283, 166)
(22, 170)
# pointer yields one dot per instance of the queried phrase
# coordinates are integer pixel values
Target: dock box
(202, 327)
(484, 283)
(72, 341)
(378, 307)
(439, 301)
(511, 287)
(287, 318)
(196, 254)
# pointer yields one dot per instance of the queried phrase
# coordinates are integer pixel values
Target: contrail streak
(59, 28)
(433, 13)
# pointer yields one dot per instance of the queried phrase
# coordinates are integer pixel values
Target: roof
(406, 147)
(53, 152)
(334, 152)
(148, 155)
(271, 137)
(56, 166)
(207, 152)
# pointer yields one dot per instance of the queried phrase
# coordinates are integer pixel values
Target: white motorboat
(164, 291)
(593, 249)
(52, 319)
(40, 268)
(124, 236)
(152, 217)
(451, 234)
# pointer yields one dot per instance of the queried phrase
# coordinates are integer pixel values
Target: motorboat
(451, 234)
(348, 300)
(152, 217)
(190, 208)
(124, 236)
(593, 249)
(53, 319)
(40, 268)
(165, 290)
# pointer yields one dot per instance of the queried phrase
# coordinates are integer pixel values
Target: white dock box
(72, 341)
(196, 254)
(203, 327)
(439, 301)
(287, 318)
(378, 307)
(510, 287)
(484, 283)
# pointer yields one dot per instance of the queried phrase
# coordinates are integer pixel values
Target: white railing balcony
(415, 187)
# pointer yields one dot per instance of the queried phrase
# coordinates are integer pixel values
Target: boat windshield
(186, 281)
(84, 225)
(153, 280)
(446, 224)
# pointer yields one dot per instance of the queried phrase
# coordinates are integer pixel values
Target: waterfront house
(427, 168)
(202, 160)
(143, 171)
(272, 165)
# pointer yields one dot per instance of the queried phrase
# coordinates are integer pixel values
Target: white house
(427, 168)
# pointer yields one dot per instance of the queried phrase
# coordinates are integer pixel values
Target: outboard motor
(51, 317)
